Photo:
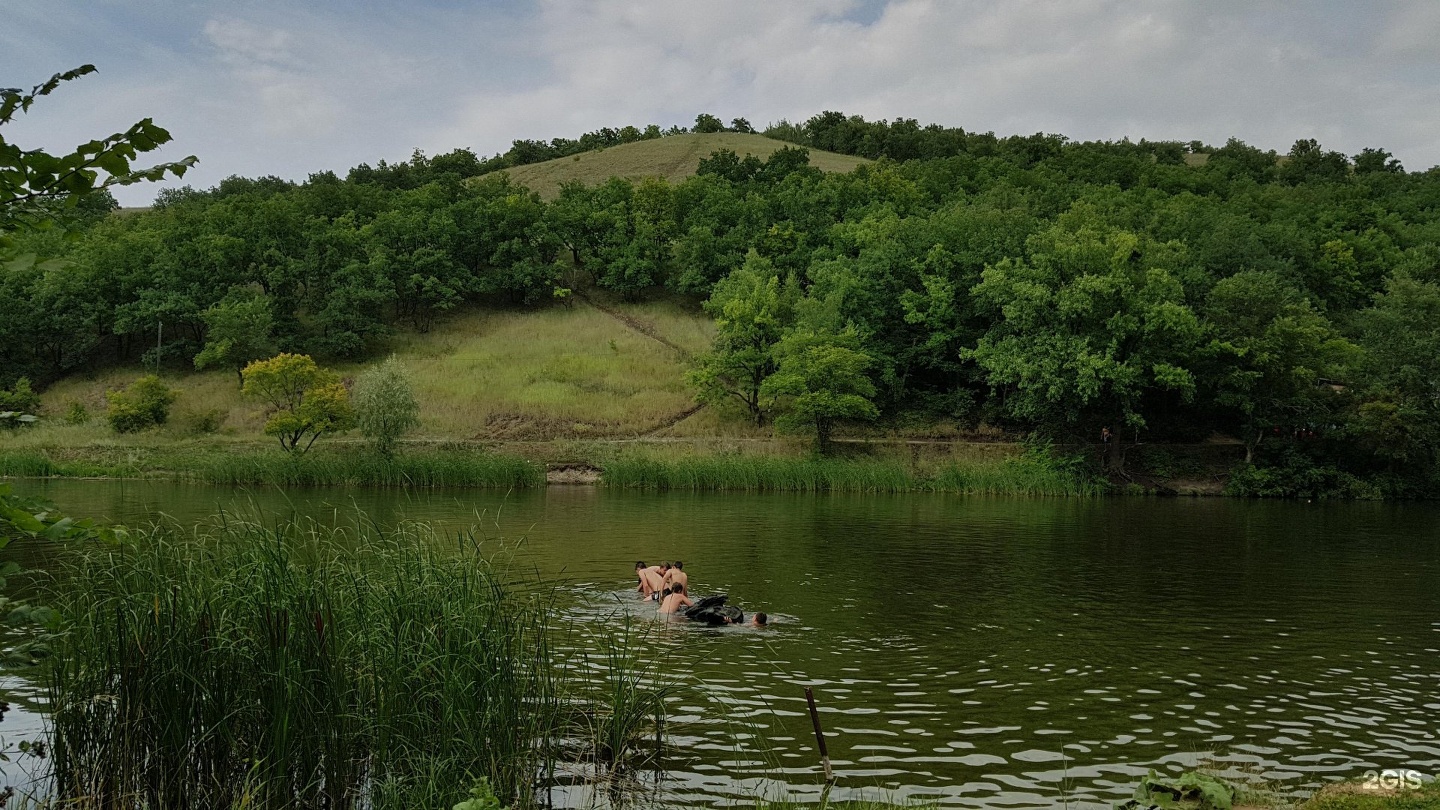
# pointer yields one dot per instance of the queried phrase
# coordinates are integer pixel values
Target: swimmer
(675, 598)
(650, 580)
(676, 575)
(760, 620)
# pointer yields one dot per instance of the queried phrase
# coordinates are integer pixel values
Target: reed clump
(757, 474)
(1032, 473)
(361, 468)
(297, 666)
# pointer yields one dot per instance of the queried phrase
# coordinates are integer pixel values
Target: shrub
(145, 404)
(78, 414)
(18, 405)
(203, 422)
(385, 406)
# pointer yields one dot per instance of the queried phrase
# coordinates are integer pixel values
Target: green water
(982, 652)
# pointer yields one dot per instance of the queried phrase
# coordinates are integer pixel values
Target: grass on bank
(328, 466)
(1027, 474)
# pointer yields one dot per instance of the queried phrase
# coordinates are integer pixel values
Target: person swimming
(674, 599)
(676, 575)
(651, 580)
(760, 620)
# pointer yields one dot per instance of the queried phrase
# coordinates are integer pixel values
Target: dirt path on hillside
(634, 323)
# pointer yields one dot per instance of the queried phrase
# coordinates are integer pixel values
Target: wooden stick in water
(819, 735)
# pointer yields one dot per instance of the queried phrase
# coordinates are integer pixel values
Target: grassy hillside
(559, 373)
(674, 158)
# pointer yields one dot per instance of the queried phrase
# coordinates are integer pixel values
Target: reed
(1029, 474)
(436, 468)
(295, 666)
(757, 474)
(1025, 475)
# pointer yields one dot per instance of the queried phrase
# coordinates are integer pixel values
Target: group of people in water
(669, 585)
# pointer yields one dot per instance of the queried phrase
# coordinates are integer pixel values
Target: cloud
(272, 88)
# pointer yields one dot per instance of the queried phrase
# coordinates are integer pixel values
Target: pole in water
(819, 735)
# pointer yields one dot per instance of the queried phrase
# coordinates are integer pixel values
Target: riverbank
(874, 466)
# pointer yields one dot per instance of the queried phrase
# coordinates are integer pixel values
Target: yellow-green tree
(305, 401)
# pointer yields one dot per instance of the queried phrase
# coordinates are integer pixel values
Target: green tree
(707, 123)
(820, 380)
(1279, 352)
(1086, 330)
(752, 308)
(305, 401)
(385, 405)
(240, 331)
(1400, 411)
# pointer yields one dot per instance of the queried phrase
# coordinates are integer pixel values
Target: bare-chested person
(652, 580)
(674, 599)
(677, 576)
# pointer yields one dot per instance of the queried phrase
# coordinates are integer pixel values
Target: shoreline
(718, 465)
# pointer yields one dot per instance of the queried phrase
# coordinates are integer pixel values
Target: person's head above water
(639, 565)
(761, 620)
(665, 566)
(680, 565)
(678, 588)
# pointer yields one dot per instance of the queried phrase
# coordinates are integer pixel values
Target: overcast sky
(255, 87)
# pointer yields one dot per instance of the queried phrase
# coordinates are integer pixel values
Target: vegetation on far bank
(1032, 284)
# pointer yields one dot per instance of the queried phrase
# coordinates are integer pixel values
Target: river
(986, 652)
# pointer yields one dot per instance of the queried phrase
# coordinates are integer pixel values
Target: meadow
(672, 158)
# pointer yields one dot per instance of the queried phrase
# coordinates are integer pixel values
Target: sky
(261, 87)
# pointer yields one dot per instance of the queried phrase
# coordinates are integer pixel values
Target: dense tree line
(1162, 290)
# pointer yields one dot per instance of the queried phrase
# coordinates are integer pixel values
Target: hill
(673, 158)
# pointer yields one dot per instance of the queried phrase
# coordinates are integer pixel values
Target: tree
(1279, 351)
(305, 401)
(1086, 330)
(707, 123)
(35, 184)
(819, 380)
(752, 309)
(240, 331)
(385, 404)
(1400, 412)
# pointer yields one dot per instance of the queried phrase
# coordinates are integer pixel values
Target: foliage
(482, 797)
(1166, 290)
(1191, 789)
(752, 309)
(33, 183)
(385, 404)
(20, 397)
(820, 380)
(239, 331)
(77, 414)
(143, 404)
(305, 402)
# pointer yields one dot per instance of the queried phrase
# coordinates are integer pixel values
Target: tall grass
(294, 666)
(354, 466)
(756, 474)
(364, 468)
(1030, 474)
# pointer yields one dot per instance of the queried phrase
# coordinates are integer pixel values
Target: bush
(385, 404)
(19, 404)
(78, 414)
(145, 404)
(203, 422)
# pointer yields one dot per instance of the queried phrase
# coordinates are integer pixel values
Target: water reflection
(978, 652)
